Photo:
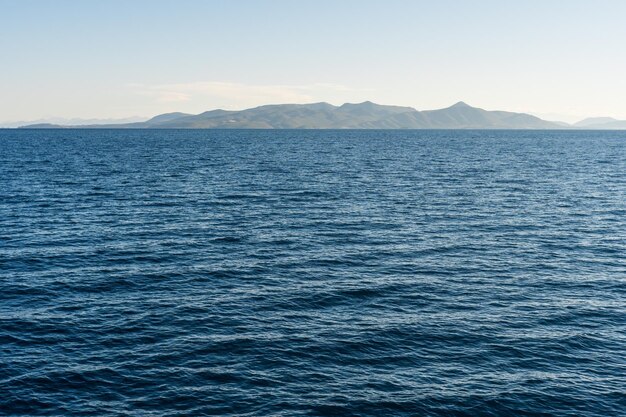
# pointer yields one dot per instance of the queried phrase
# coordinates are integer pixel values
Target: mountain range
(366, 115)
(70, 122)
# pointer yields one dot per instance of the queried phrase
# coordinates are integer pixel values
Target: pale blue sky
(113, 59)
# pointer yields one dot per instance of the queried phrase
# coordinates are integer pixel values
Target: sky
(564, 60)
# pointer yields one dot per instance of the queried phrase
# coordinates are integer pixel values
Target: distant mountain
(71, 122)
(366, 115)
(607, 123)
(43, 126)
(464, 116)
(165, 118)
(594, 121)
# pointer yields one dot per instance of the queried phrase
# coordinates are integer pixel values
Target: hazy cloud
(213, 94)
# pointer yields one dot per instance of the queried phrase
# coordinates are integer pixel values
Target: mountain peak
(590, 121)
(460, 104)
(363, 104)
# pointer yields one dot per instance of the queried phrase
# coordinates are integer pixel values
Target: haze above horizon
(120, 59)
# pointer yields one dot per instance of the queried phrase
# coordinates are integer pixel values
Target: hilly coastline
(366, 115)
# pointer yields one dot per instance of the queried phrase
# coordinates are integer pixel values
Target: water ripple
(348, 273)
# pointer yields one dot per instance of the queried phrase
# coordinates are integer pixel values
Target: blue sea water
(312, 273)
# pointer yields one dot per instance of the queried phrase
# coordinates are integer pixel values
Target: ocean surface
(312, 273)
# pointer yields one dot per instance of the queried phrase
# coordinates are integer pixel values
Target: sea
(312, 273)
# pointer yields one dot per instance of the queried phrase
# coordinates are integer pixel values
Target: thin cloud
(239, 95)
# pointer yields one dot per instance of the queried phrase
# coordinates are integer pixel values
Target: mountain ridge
(322, 115)
(601, 123)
